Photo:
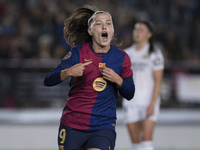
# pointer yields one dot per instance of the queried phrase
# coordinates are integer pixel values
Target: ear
(89, 31)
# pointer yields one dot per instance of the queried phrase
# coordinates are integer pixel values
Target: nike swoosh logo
(88, 59)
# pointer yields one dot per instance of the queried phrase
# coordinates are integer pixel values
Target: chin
(105, 45)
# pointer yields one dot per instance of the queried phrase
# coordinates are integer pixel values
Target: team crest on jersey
(145, 56)
(99, 84)
(102, 65)
(68, 55)
(61, 147)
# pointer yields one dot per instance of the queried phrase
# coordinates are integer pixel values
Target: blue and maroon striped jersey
(92, 99)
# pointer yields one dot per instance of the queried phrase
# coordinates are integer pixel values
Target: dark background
(32, 43)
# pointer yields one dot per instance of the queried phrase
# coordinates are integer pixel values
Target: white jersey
(143, 66)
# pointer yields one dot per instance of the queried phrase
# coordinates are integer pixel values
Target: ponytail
(75, 27)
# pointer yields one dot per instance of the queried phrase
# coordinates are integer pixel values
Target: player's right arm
(74, 71)
(62, 71)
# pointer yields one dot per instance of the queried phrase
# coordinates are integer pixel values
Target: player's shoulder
(130, 48)
(157, 51)
(80, 48)
(118, 52)
(157, 56)
(73, 53)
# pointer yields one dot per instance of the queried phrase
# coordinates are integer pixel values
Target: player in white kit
(142, 111)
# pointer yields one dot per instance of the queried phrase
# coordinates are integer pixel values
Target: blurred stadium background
(32, 43)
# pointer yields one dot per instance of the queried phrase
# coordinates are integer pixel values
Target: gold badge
(102, 65)
(68, 55)
(99, 84)
(61, 147)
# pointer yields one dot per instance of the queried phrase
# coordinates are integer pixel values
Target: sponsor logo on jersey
(139, 66)
(102, 65)
(68, 55)
(99, 84)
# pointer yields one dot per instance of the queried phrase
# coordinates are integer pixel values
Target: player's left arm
(125, 86)
(158, 66)
(124, 81)
(127, 89)
(157, 75)
(111, 76)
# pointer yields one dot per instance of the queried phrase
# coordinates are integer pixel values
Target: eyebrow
(101, 21)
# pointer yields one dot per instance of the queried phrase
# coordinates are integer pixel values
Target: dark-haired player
(142, 111)
(98, 70)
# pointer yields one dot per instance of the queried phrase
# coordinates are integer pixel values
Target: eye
(98, 23)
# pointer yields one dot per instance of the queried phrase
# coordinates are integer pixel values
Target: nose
(136, 32)
(104, 26)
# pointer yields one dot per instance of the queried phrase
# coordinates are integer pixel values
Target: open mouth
(104, 34)
(104, 37)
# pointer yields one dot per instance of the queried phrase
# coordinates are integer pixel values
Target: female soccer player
(142, 111)
(98, 70)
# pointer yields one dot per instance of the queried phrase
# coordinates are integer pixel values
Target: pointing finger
(87, 63)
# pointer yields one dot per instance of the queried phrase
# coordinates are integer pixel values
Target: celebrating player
(98, 70)
(147, 62)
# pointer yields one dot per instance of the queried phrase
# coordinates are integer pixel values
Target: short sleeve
(126, 68)
(157, 60)
(70, 59)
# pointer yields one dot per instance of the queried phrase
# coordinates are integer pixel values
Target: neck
(99, 49)
(140, 45)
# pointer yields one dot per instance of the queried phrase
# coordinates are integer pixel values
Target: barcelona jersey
(91, 100)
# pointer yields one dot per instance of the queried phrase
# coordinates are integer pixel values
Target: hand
(111, 76)
(74, 71)
(77, 70)
(150, 110)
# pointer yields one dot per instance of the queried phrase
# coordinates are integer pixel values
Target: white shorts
(138, 113)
